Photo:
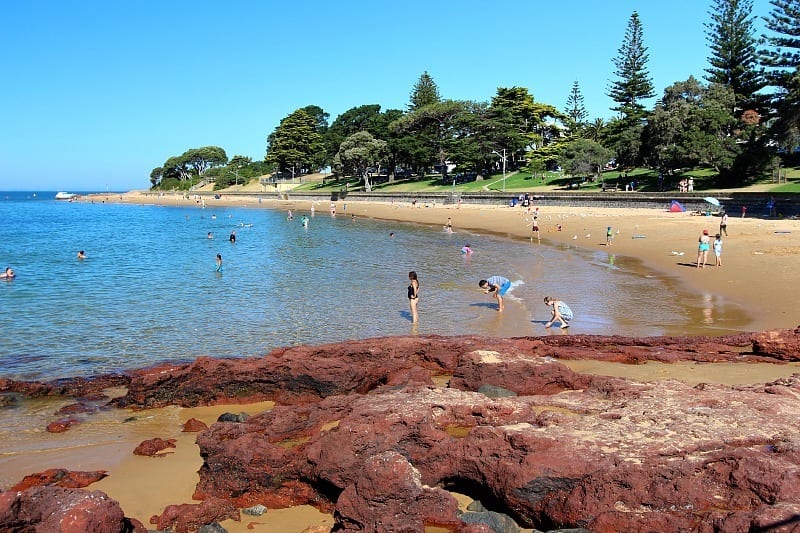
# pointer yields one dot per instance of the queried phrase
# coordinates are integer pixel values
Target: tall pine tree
(576, 110)
(633, 84)
(734, 60)
(425, 92)
(781, 60)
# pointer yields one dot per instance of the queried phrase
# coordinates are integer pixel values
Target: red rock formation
(194, 425)
(63, 510)
(60, 477)
(152, 447)
(363, 432)
(190, 517)
(62, 425)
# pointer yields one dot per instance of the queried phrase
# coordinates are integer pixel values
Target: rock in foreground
(362, 430)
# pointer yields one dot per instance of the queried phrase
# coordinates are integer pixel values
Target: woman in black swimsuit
(413, 295)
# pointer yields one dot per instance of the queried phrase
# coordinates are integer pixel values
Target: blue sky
(95, 94)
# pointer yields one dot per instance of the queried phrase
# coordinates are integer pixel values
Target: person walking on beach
(535, 227)
(413, 295)
(219, 263)
(609, 236)
(704, 243)
(497, 286)
(718, 249)
(723, 224)
(560, 312)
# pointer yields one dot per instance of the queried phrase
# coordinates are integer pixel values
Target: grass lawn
(522, 181)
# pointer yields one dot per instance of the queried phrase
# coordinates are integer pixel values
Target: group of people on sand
(704, 244)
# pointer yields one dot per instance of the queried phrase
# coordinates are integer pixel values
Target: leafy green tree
(355, 119)
(155, 176)
(734, 60)
(533, 123)
(424, 93)
(240, 161)
(320, 117)
(434, 122)
(295, 145)
(479, 134)
(781, 60)
(177, 167)
(576, 109)
(201, 159)
(583, 157)
(358, 153)
(690, 126)
(595, 130)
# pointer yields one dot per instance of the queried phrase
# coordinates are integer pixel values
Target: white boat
(65, 195)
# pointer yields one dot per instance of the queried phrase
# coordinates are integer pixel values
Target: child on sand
(718, 249)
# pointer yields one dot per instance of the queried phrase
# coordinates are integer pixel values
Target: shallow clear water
(148, 291)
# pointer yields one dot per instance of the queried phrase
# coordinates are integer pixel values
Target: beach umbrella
(712, 200)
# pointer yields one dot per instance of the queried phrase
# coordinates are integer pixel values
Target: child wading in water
(560, 313)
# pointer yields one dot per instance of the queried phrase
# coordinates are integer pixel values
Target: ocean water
(148, 291)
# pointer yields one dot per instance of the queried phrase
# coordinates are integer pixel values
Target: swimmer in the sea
(8, 274)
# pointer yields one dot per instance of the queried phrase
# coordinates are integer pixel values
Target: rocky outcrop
(75, 387)
(190, 517)
(63, 510)
(60, 477)
(307, 374)
(362, 430)
(154, 447)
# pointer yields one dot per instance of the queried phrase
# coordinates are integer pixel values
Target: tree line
(738, 119)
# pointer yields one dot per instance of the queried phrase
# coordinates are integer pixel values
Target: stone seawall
(786, 204)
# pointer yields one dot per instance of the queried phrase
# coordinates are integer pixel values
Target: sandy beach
(759, 256)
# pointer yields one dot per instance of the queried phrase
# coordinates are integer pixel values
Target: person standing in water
(497, 286)
(413, 295)
(560, 312)
(233, 237)
(219, 263)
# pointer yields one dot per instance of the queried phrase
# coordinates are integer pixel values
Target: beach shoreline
(759, 254)
(759, 273)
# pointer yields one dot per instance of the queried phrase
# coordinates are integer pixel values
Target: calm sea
(148, 291)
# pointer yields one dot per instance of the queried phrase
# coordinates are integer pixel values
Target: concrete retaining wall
(787, 204)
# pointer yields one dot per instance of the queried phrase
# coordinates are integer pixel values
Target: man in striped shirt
(497, 286)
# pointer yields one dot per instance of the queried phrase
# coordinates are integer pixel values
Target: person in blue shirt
(497, 286)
